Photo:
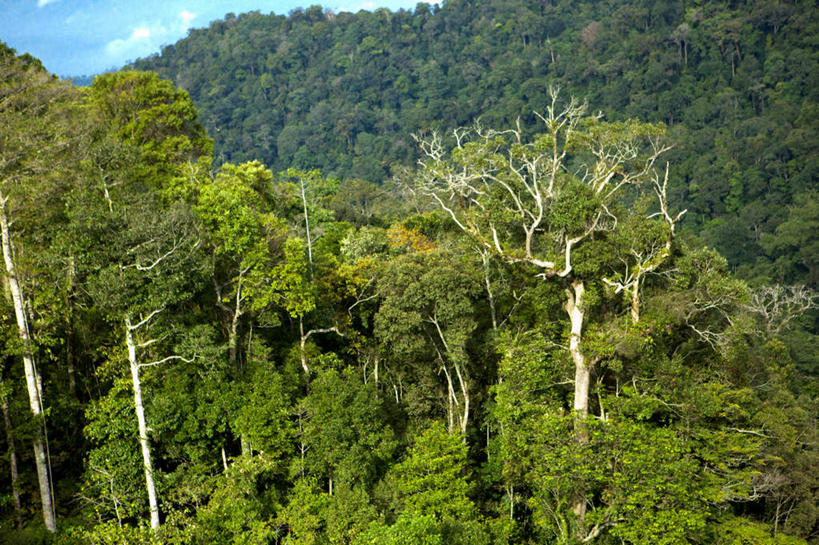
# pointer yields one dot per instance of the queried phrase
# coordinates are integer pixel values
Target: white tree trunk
(485, 262)
(34, 391)
(302, 349)
(143, 428)
(307, 225)
(234, 323)
(635, 300)
(582, 374)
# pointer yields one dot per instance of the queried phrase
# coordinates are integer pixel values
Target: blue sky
(83, 37)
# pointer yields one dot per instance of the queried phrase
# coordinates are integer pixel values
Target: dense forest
(440, 277)
(735, 81)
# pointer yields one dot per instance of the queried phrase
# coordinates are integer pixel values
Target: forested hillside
(515, 340)
(735, 81)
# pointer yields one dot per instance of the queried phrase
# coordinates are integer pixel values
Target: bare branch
(167, 359)
(143, 322)
(778, 306)
(324, 330)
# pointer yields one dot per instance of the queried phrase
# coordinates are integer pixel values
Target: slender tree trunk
(15, 485)
(582, 374)
(465, 395)
(107, 193)
(234, 325)
(452, 400)
(69, 329)
(635, 301)
(233, 338)
(302, 347)
(463, 418)
(143, 428)
(34, 389)
(489, 294)
(375, 374)
(307, 225)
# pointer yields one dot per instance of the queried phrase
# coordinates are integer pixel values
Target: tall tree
(550, 203)
(33, 106)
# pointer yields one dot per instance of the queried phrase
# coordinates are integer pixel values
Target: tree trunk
(582, 375)
(465, 395)
(34, 390)
(375, 374)
(15, 485)
(143, 428)
(69, 329)
(307, 226)
(232, 339)
(234, 323)
(452, 400)
(635, 301)
(302, 352)
(489, 294)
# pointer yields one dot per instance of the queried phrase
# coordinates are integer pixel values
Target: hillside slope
(736, 82)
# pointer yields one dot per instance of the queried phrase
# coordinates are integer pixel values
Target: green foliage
(304, 514)
(239, 510)
(114, 479)
(262, 411)
(433, 479)
(160, 121)
(290, 285)
(109, 534)
(701, 422)
(343, 92)
(741, 531)
(432, 482)
(345, 430)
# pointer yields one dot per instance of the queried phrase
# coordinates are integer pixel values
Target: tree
(311, 189)
(345, 431)
(554, 203)
(148, 258)
(427, 314)
(794, 243)
(243, 237)
(32, 105)
(161, 122)
(432, 483)
(520, 199)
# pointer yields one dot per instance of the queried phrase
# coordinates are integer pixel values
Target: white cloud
(368, 6)
(187, 17)
(140, 34)
(41, 3)
(148, 37)
(138, 42)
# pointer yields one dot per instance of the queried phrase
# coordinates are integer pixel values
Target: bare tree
(778, 306)
(133, 343)
(646, 256)
(35, 393)
(535, 202)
